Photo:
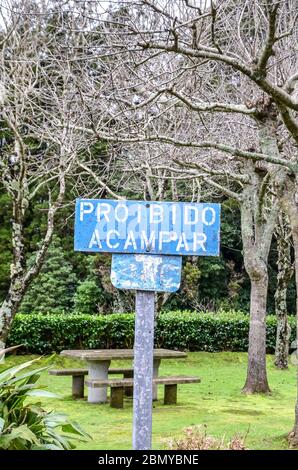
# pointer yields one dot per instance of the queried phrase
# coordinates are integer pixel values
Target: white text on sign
(152, 227)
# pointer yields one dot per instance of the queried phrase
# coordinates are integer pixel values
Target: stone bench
(118, 386)
(79, 374)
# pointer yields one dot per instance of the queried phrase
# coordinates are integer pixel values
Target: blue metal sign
(146, 272)
(171, 228)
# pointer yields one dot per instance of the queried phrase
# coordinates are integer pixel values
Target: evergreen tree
(91, 296)
(53, 290)
(88, 297)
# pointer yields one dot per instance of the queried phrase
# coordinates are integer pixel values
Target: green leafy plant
(27, 426)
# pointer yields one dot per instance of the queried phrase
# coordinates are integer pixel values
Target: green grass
(216, 402)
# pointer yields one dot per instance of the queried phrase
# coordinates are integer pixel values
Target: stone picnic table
(98, 362)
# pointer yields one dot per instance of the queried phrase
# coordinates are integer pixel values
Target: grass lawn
(216, 402)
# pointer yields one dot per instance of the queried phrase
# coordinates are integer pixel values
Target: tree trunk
(283, 334)
(291, 208)
(256, 381)
(294, 433)
(257, 227)
(256, 237)
(17, 287)
(293, 436)
(9, 308)
(284, 275)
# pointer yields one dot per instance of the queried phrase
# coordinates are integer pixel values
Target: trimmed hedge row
(43, 334)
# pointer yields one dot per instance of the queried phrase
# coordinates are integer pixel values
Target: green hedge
(43, 334)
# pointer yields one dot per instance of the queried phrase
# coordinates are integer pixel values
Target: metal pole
(143, 370)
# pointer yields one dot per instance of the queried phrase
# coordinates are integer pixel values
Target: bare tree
(232, 68)
(41, 152)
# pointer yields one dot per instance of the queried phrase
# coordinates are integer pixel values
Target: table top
(109, 354)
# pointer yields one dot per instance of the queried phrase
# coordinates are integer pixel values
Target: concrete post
(156, 364)
(170, 397)
(78, 386)
(98, 370)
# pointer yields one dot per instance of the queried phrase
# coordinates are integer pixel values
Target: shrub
(25, 426)
(196, 438)
(42, 334)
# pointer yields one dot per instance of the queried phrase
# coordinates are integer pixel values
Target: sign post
(143, 370)
(148, 240)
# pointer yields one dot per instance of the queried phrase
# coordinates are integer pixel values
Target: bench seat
(118, 385)
(73, 372)
(112, 370)
(79, 374)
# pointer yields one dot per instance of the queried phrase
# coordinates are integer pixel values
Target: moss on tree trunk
(285, 271)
